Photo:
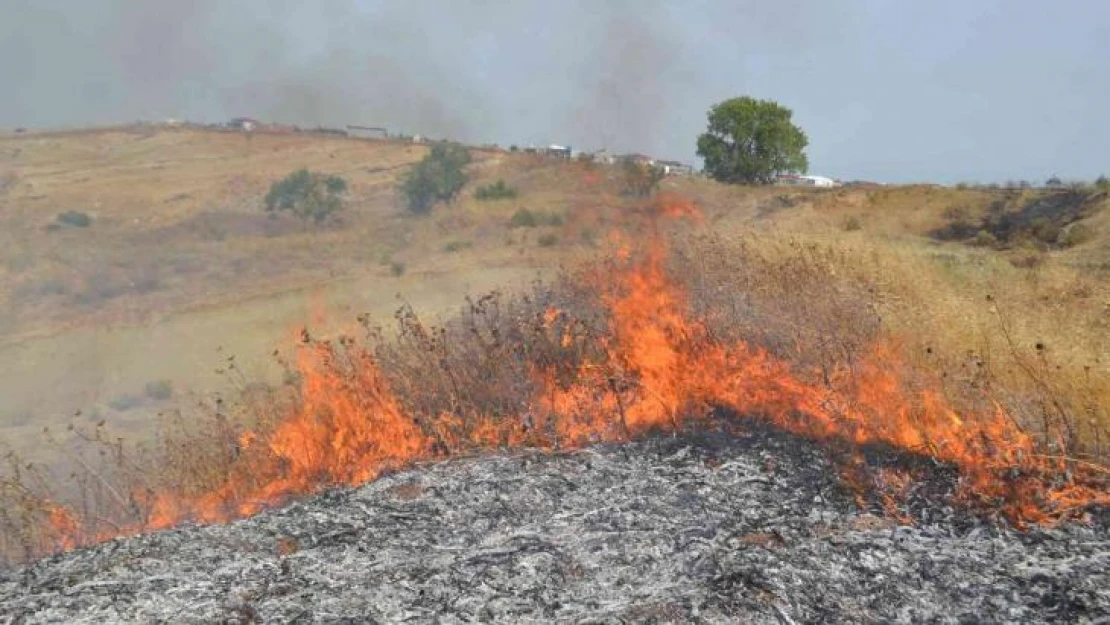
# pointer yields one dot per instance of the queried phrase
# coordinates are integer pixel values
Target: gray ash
(714, 527)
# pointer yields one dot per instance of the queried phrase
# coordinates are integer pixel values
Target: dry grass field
(180, 271)
(180, 266)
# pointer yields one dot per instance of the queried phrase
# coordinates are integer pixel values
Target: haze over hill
(947, 91)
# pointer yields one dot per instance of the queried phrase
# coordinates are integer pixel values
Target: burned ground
(745, 527)
(1017, 217)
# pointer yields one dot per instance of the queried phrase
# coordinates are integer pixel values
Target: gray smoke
(891, 91)
(469, 71)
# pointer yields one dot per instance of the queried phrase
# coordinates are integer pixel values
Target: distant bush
(985, 239)
(525, 218)
(77, 219)
(547, 240)
(455, 246)
(397, 269)
(1102, 183)
(1075, 234)
(123, 403)
(1044, 230)
(852, 224)
(437, 178)
(496, 191)
(158, 389)
(308, 195)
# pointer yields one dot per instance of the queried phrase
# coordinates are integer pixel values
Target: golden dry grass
(180, 268)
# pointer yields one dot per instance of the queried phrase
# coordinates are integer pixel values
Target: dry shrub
(483, 363)
(104, 483)
(783, 296)
(975, 325)
(26, 511)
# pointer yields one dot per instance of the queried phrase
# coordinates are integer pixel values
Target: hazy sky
(886, 89)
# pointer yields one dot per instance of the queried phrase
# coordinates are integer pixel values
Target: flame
(661, 370)
(63, 527)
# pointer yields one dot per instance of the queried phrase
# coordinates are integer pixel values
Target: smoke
(575, 72)
(629, 75)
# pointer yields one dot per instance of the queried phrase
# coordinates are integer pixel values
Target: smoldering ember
(748, 525)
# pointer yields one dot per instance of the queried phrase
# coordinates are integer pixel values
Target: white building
(675, 168)
(820, 181)
(807, 181)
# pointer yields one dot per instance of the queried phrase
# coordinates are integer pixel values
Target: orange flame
(662, 370)
(63, 527)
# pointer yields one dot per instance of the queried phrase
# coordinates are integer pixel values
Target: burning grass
(649, 338)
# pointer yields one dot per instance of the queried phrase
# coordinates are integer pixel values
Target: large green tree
(752, 141)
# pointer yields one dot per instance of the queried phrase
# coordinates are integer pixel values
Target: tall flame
(662, 370)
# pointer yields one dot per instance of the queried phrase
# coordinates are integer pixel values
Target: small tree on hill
(309, 195)
(752, 141)
(439, 177)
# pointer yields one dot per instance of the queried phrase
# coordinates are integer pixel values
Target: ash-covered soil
(708, 528)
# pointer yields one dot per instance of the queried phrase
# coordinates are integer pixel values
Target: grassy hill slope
(180, 268)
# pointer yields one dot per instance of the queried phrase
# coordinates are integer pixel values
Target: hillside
(157, 322)
(180, 266)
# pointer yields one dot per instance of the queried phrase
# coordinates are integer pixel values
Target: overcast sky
(888, 90)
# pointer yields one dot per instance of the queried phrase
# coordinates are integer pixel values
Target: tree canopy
(308, 195)
(752, 141)
(437, 178)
